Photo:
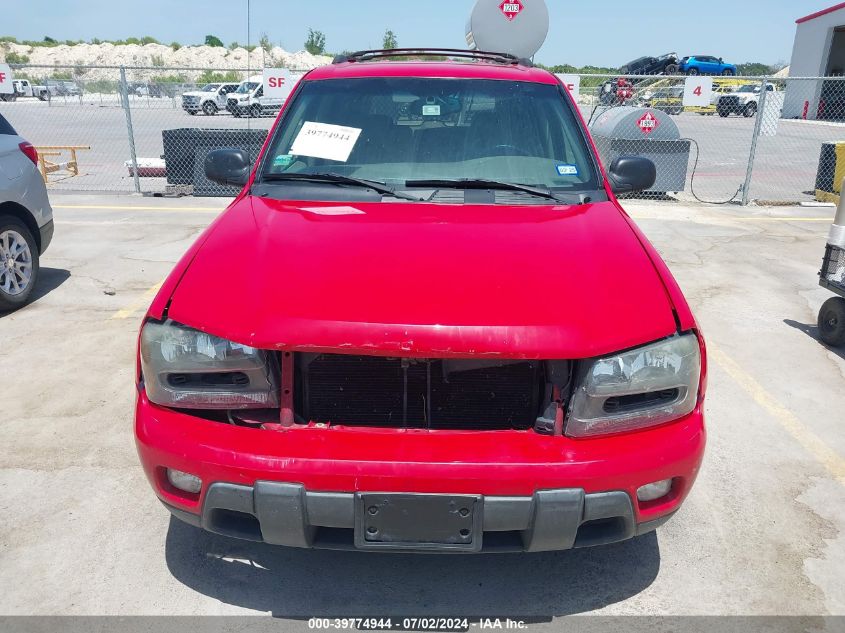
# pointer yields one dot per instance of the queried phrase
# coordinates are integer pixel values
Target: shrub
(16, 58)
(211, 77)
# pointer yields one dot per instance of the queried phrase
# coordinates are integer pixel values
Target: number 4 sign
(697, 91)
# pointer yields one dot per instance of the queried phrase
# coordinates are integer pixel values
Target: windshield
(414, 129)
(249, 86)
(749, 89)
(210, 87)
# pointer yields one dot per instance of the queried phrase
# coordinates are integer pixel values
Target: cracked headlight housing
(189, 369)
(640, 388)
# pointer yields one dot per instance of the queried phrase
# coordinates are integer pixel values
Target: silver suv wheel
(15, 263)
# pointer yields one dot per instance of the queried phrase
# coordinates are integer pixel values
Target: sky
(602, 33)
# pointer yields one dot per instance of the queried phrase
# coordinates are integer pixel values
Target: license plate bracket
(418, 521)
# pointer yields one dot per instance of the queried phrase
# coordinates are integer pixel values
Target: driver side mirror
(229, 166)
(628, 174)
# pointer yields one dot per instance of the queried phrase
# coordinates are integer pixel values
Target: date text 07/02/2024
(416, 624)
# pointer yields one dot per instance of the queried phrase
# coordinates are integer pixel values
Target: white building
(818, 51)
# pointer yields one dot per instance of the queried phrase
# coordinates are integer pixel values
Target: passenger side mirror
(229, 166)
(631, 173)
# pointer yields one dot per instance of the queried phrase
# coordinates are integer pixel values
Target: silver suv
(26, 218)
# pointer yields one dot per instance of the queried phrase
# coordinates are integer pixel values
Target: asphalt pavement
(763, 532)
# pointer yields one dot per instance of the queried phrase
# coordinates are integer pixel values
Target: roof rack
(498, 58)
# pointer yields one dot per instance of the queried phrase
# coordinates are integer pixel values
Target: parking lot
(784, 170)
(763, 531)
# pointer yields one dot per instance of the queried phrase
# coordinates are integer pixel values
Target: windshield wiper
(481, 183)
(339, 179)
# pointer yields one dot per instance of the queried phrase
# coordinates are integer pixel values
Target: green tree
(753, 68)
(265, 43)
(389, 42)
(213, 40)
(316, 42)
(147, 39)
(175, 46)
(49, 40)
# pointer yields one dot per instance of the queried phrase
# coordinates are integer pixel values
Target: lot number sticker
(278, 83)
(6, 86)
(698, 90)
(323, 140)
(572, 83)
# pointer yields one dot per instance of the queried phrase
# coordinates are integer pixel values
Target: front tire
(209, 108)
(255, 111)
(19, 263)
(727, 72)
(693, 72)
(832, 322)
(750, 110)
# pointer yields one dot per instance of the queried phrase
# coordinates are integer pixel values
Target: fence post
(758, 123)
(124, 98)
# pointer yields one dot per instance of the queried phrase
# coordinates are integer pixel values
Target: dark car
(664, 65)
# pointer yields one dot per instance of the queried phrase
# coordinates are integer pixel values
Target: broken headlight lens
(636, 389)
(189, 369)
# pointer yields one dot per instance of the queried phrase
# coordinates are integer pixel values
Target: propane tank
(518, 28)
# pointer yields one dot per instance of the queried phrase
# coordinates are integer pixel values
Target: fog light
(655, 490)
(184, 481)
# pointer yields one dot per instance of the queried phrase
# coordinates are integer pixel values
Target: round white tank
(519, 27)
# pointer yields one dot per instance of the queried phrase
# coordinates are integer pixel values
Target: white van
(249, 99)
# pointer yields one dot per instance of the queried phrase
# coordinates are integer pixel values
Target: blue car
(705, 65)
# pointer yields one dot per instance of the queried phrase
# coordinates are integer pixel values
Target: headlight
(643, 387)
(189, 369)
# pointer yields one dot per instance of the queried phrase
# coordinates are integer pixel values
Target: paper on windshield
(324, 140)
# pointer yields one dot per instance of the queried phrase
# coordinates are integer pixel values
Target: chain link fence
(146, 130)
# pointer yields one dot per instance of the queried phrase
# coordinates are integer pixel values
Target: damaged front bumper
(465, 491)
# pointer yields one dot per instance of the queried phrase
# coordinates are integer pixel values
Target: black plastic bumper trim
(289, 515)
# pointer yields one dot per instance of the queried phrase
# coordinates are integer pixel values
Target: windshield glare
(247, 87)
(749, 89)
(405, 129)
(210, 87)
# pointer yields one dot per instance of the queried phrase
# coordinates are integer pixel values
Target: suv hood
(425, 280)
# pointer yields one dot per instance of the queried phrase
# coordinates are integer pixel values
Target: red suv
(424, 324)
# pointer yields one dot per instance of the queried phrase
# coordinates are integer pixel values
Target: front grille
(729, 103)
(189, 100)
(417, 393)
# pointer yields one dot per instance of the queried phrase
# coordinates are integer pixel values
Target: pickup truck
(23, 88)
(209, 99)
(744, 100)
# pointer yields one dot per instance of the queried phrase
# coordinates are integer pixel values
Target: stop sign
(511, 9)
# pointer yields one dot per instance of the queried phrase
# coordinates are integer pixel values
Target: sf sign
(511, 9)
(647, 123)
